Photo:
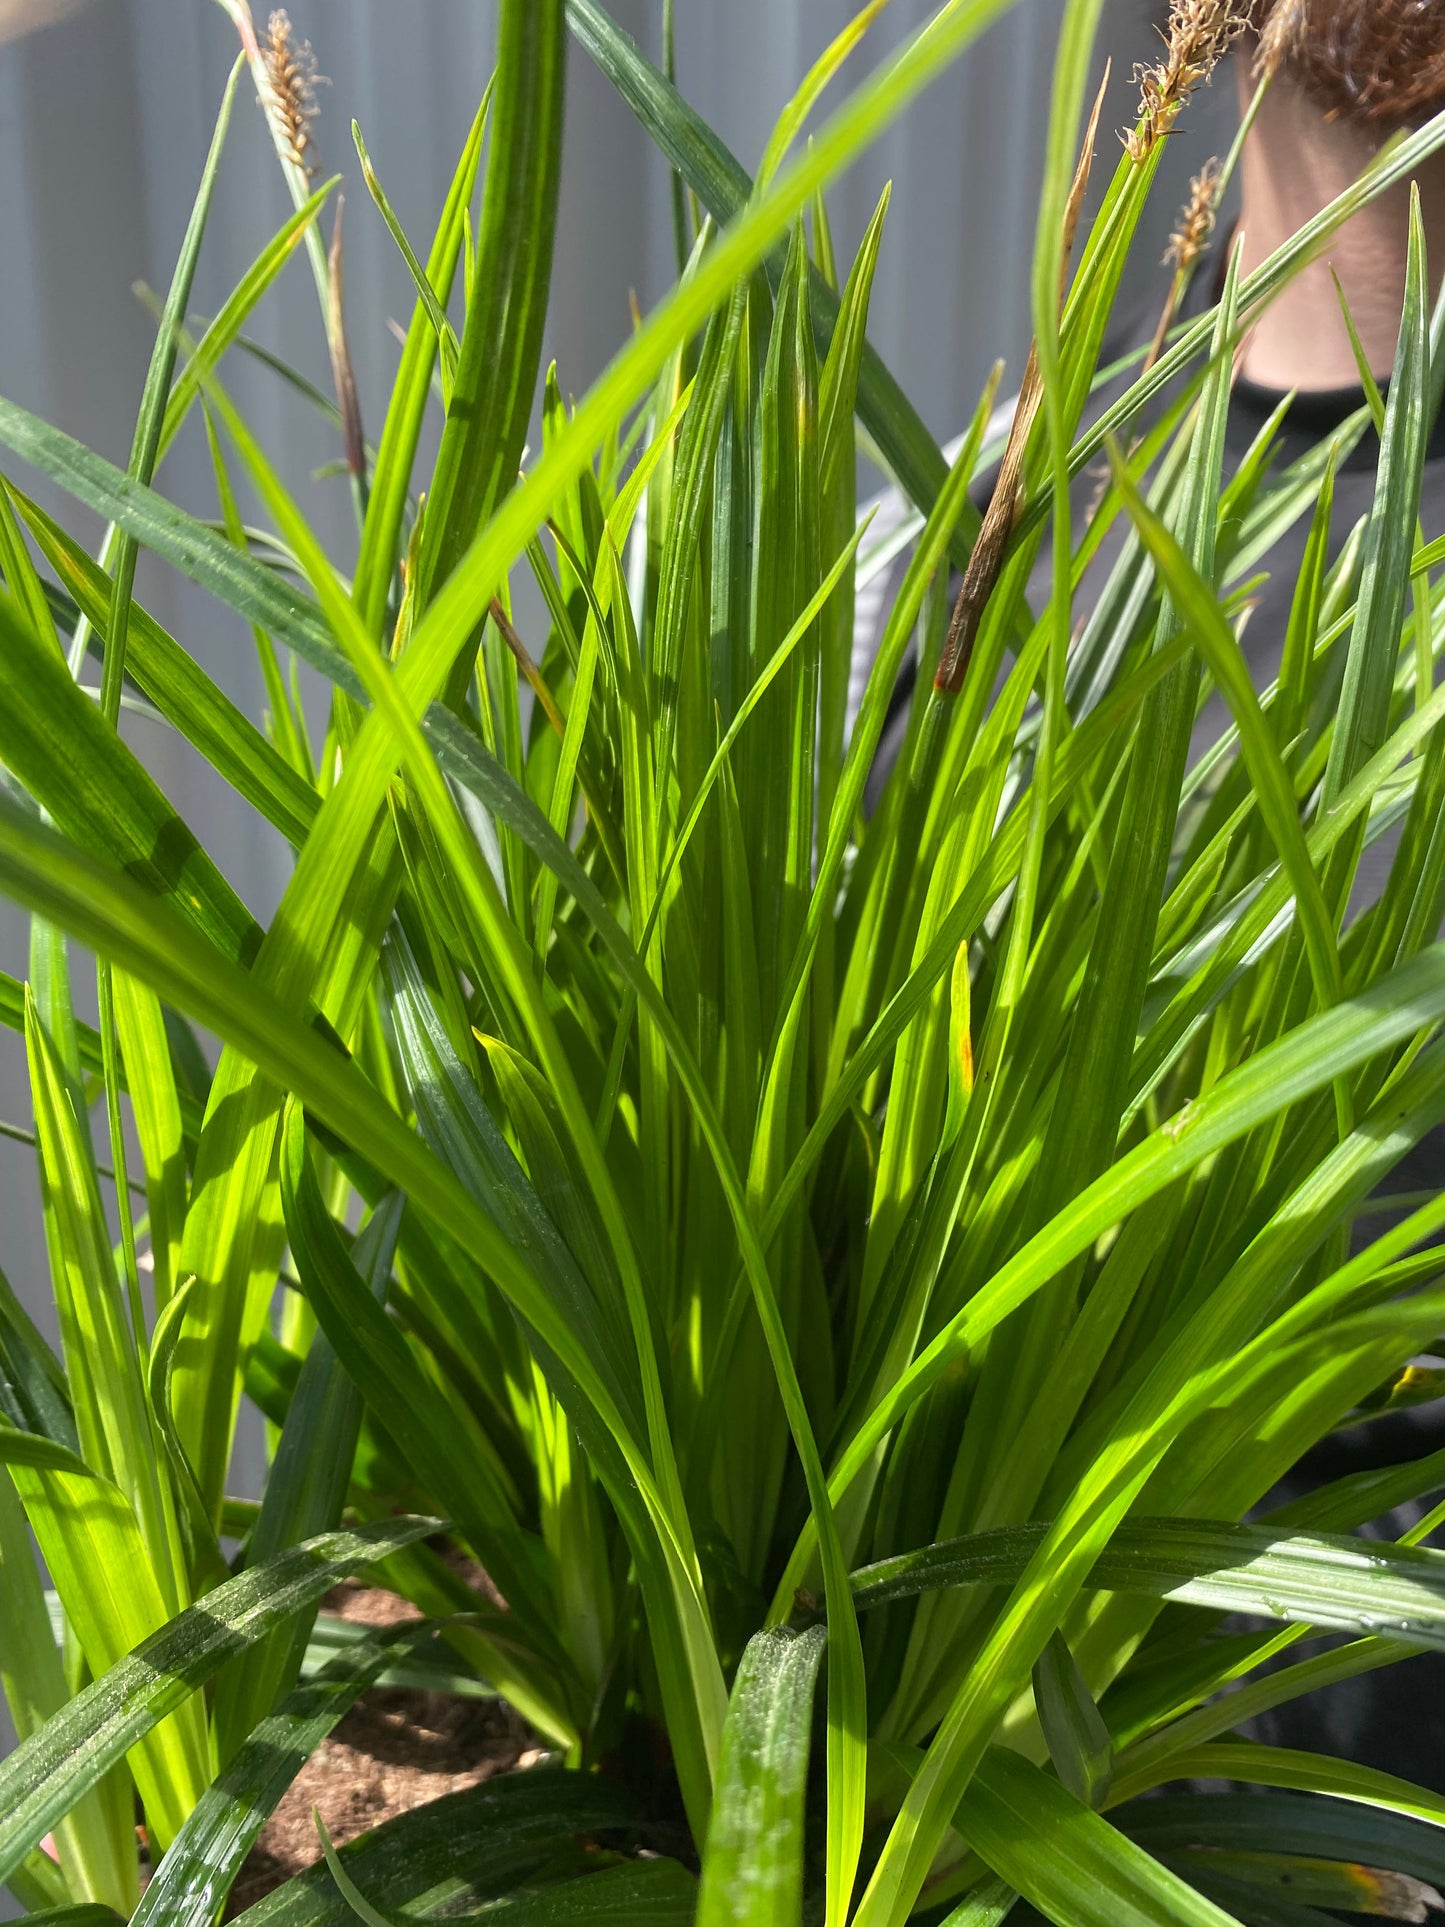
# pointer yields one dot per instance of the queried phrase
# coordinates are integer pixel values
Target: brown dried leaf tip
(291, 71)
(1200, 33)
(1196, 220)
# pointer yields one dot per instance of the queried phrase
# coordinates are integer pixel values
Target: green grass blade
(697, 446)
(1288, 1822)
(502, 337)
(34, 1395)
(355, 1899)
(723, 186)
(106, 1576)
(19, 574)
(466, 1844)
(343, 842)
(43, 1777)
(285, 725)
(1390, 168)
(426, 294)
(1070, 1862)
(255, 592)
(391, 475)
(95, 1843)
(197, 1870)
(231, 317)
(1305, 1060)
(202, 1549)
(752, 1865)
(1315, 1773)
(1390, 540)
(790, 122)
(1078, 1740)
(651, 1893)
(989, 1905)
(156, 1107)
(1200, 614)
(305, 1490)
(56, 743)
(150, 421)
(117, 917)
(81, 1914)
(376, 1358)
(837, 408)
(1349, 1585)
(100, 1338)
(454, 1118)
(181, 689)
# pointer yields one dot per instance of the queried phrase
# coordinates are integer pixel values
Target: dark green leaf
(466, 1844)
(45, 1775)
(254, 591)
(1079, 1743)
(752, 1866)
(196, 1872)
(1075, 1866)
(1354, 1585)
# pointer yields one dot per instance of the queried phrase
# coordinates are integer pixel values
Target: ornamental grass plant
(852, 1277)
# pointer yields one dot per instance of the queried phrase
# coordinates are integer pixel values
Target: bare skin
(1294, 162)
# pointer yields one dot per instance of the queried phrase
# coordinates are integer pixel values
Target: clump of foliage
(876, 1261)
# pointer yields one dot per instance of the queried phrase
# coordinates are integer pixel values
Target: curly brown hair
(1374, 61)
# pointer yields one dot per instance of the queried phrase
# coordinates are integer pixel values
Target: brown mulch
(396, 1749)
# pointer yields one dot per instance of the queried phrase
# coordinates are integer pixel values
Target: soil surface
(396, 1749)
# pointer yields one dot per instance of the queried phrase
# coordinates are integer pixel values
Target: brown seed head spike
(1186, 244)
(1279, 36)
(291, 72)
(1196, 220)
(1200, 33)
